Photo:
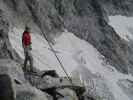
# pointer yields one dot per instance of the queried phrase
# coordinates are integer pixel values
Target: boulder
(6, 88)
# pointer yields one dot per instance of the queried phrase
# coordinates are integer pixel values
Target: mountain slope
(76, 55)
(87, 19)
(94, 47)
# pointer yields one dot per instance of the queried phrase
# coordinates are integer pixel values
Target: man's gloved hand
(30, 47)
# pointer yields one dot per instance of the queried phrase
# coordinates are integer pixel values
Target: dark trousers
(28, 58)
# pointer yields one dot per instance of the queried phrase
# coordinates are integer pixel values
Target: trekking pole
(61, 65)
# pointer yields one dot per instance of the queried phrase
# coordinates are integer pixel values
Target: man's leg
(25, 61)
(31, 61)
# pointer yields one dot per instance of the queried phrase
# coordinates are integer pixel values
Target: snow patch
(123, 26)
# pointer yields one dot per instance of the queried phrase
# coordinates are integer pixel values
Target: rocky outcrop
(17, 85)
(53, 85)
(6, 50)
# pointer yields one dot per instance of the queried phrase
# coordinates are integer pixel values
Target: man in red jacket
(26, 42)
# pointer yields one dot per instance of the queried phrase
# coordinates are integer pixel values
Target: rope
(61, 65)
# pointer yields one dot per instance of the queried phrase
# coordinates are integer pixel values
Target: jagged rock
(6, 51)
(51, 84)
(4, 28)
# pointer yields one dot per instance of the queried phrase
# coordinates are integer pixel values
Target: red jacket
(26, 39)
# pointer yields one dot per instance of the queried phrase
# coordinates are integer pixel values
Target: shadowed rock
(6, 89)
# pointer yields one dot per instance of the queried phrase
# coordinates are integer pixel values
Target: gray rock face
(4, 28)
(114, 7)
(44, 14)
(6, 50)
